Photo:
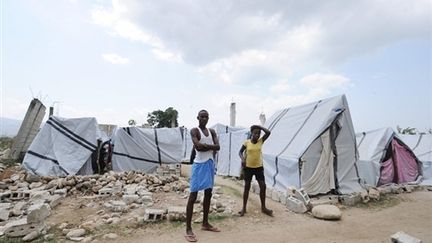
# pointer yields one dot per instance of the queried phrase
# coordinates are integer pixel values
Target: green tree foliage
(408, 130)
(132, 122)
(167, 118)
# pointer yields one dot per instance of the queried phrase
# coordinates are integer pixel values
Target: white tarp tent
(421, 145)
(312, 146)
(384, 158)
(228, 160)
(63, 147)
(144, 149)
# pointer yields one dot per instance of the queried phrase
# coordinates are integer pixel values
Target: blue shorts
(202, 176)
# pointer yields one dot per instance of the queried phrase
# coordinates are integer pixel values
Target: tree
(408, 130)
(167, 118)
(132, 122)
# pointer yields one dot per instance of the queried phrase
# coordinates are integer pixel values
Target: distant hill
(9, 127)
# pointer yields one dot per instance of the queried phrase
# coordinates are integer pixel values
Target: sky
(120, 60)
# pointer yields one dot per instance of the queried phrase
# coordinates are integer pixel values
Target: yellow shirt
(253, 153)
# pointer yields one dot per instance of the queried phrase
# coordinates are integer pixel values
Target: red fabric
(387, 172)
(406, 166)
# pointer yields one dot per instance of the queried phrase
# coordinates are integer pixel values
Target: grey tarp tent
(312, 146)
(144, 149)
(421, 145)
(384, 158)
(228, 160)
(63, 147)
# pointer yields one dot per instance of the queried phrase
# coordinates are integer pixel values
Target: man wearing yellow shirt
(252, 163)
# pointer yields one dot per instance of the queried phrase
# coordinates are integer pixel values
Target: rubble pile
(128, 198)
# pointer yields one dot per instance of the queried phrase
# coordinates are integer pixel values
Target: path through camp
(411, 213)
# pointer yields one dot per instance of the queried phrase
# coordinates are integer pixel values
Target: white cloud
(115, 59)
(281, 87)
(323, 84)
(166, 55)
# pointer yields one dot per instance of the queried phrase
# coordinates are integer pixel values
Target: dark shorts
(258, 172)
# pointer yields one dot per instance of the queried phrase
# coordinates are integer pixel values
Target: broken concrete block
(350, 199)
(38, 212)
(295, 205)
(19, 195)
(62, 191)
(402, 237)
(301, 195)
(20, 227)
(176, 213)
(330, 212)
(152, 214)
(106, 191)
(116, 206)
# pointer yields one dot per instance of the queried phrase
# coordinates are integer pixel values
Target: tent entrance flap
(317, 174)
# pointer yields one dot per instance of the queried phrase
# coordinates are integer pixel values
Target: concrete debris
(402, 237)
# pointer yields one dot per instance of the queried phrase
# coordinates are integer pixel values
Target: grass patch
(217, 217)
(232, 191)
(386, 201)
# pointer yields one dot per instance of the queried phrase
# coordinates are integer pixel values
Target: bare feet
(242, 212)
(267, 211)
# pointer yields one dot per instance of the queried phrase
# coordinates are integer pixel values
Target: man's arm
(266, 133)
(195, 140)
(215, 146)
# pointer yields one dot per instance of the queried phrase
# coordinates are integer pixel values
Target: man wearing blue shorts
(202, 174)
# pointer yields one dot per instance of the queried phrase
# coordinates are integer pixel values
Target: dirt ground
(373, 222)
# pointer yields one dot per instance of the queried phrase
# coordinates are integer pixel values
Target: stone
(31, 236)
(38, 212)
(75, 233)
(329, 212)
(4, 214)
(55, 200)
(30, 178)
(295, 205)
(87, 239)
(130, 198)
(35, 185)
(49, 237)
(110, 236)
(63, 226)
(402, 237)
(374, 194)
